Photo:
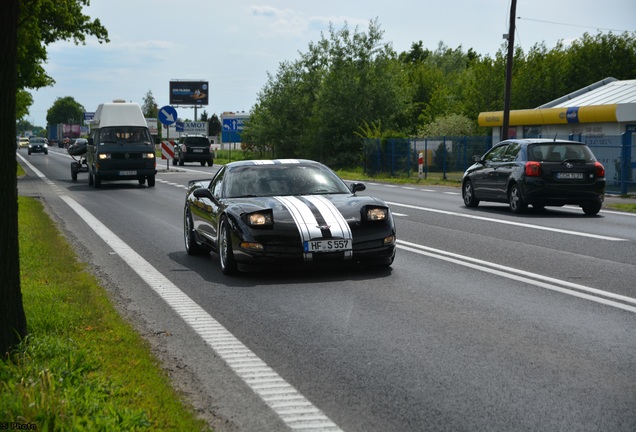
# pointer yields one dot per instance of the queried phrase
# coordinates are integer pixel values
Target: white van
(120, 146)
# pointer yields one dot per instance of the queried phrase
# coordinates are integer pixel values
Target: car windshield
(197, 142)
(559, 152)
(125, 135)
(282, 179)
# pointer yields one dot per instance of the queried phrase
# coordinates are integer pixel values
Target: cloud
(296, 23)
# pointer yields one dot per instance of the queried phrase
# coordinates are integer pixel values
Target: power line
(572, 25)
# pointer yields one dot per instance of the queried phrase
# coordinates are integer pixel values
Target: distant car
(285, 211)
(38, 145)
(193, 149)
(23, 142)
(540, 172)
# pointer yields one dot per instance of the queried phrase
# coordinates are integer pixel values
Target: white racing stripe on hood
(332, 216)
(303, 216)
(306, 222)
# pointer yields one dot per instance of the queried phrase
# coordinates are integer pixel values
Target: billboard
(189, 92)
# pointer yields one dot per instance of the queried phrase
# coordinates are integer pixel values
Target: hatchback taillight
(600, 169)
(533, 169)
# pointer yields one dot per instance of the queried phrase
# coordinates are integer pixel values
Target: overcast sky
(234, 44)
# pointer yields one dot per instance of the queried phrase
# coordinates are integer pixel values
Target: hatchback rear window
(558, 152)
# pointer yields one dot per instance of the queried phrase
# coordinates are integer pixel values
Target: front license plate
(569, 176)
(127, 173)
(327, 245)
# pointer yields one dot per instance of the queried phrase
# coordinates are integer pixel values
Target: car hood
(314, 216)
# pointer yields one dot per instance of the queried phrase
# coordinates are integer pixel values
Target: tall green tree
(593, 58)
(312, 107)
(27, 27)
(65, 110)
(13, 326)
(150, 107)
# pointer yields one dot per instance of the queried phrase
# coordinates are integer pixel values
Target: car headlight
(148, 156)
(103, 156)
(375, 213)
(260, 219)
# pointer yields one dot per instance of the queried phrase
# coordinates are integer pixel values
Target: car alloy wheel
(191, 245)
(517, 205)
(226, 256)
(468, 193)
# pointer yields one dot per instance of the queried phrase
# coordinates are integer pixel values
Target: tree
(65, 110)
(26, 29)
(13, 326)
(150, 107)
(215, 125)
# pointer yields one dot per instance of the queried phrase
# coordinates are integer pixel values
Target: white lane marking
(297, 412)
(536, 279)
(505, 222)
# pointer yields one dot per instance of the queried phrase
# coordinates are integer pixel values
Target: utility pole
(511, 51)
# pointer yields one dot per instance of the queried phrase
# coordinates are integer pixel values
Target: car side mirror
(203, 193)
(357, 187)
(477, 158)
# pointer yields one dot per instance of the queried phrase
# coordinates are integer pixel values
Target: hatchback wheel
(591, 209)
(468, 193)
(517, 205)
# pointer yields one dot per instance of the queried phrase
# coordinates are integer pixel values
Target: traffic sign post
(167, 116)
(167, 152)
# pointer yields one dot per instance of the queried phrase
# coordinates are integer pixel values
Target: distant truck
(56, 133)
(120, 146)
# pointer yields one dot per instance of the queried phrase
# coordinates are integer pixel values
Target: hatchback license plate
(327, 245)
(569, 176)
(127, 173)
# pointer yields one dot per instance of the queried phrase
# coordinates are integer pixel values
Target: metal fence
(449, 157)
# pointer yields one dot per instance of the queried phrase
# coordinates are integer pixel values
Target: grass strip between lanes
(82, 367)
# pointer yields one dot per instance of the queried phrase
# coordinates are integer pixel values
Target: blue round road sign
(167, 115)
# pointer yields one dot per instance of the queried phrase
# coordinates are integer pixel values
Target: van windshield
(125, 135)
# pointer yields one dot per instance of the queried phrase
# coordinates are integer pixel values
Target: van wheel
(97, 181)
(151, 181)
(90, 178)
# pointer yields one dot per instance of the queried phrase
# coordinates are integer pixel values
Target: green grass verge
(622, 207)
(82, 367)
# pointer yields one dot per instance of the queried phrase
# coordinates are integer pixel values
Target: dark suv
(540, 172)
(193, 149)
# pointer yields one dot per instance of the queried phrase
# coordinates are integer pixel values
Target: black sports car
(288, 210)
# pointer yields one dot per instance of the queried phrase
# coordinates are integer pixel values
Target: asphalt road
(486, 321)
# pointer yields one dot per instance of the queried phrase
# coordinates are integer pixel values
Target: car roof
(528, 141)
(273, 162)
